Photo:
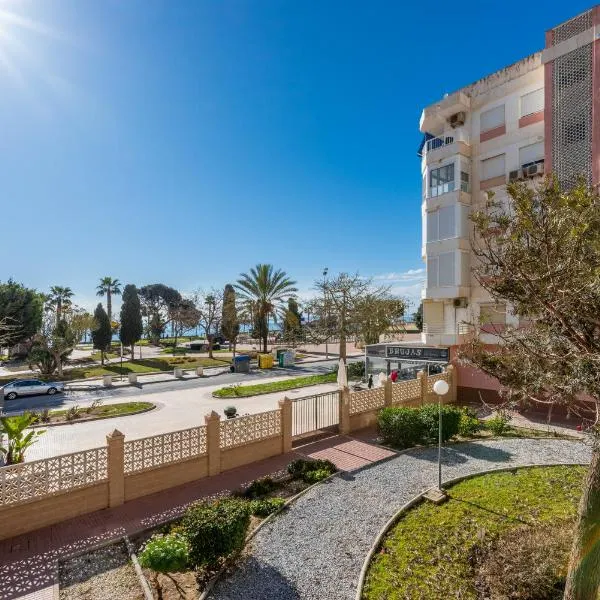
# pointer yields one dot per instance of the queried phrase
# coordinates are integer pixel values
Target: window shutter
(532, 102)
(432, 271)
(446, 269)
(531, 153)
(490, 119)
(493, 167)
(447, 227)
(432, 226)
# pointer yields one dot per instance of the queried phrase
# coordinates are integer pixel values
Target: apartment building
(539, 115)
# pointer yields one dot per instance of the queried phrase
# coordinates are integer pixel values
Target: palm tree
(109, 286)
(264, 290)
(60, 298)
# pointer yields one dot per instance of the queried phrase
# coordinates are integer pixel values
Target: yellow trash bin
(265, 361)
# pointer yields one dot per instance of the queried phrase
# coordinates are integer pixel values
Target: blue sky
(184, 141)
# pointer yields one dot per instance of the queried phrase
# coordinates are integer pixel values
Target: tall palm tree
(109, 286)
(60, 298)
(265, 289)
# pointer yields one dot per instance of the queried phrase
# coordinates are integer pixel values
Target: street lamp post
(325, 310)
(441, 388)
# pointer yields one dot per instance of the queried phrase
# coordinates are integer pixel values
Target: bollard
(178, 372)
(107, 380)
(199, 371)
(132, 377)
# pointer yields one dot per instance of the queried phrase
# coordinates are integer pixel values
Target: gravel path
(317, 548)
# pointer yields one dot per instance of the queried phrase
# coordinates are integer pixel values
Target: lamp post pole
(326, 311)
(441, 389)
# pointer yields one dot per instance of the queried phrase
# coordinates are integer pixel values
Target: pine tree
(292, 322)
(131, 318)
(101, 336)
(230, 325)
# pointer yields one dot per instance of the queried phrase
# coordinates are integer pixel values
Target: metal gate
(312, 413)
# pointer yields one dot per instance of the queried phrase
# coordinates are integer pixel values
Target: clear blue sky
(184, 141)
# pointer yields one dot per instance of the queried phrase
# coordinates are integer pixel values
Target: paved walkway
(28, 563)
(316, 549)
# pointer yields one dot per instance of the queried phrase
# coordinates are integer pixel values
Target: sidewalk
(29, 563)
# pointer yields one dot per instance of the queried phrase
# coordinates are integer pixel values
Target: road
(180, 404)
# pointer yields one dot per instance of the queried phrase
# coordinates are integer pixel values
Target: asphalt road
(82, 398)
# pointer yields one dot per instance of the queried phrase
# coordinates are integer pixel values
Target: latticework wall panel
(572, 27)
(406, 391)
(251, 428)
(367, 400)
(28, 481)
(158, 450)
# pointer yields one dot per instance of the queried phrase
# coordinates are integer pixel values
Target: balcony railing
(445, 329)
(442, 141)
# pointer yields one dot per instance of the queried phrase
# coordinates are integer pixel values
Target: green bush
(260, 487)
(215, 529)
(316, 475)
(304, 469)
(400, 426)
(403, 427)
(469, 424)
(498, 424)
(165, 553)
(263, 508)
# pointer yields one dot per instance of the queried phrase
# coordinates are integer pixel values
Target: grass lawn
(431, 551)
(241, 391)
(99, 412)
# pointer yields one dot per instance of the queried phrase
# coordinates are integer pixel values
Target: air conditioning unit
(461, 302)
(457, 119)
(534, 169)
(514, 175)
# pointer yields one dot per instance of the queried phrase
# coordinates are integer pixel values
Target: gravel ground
(104, 574)
(317, 548)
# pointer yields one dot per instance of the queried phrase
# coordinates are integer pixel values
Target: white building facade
(538, 115)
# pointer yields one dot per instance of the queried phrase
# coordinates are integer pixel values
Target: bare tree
(210, 308)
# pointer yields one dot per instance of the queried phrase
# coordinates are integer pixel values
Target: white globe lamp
(441, 387)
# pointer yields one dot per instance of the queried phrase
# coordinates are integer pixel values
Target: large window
(490, 119)
(441, 180)
(532, 102)
(440, 270)
(441, 224)
(491, 315)
(531, 154)
(493, 167)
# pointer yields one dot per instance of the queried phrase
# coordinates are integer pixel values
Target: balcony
(442, 147)
(441, 334)
(433, 117)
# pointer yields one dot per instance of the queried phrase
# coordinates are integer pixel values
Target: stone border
(417, 499)
(275, 392)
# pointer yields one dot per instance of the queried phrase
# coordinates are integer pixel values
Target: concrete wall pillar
(213, 442)
(387, 390)
(344, 410)
(285, 406)
(453, 383)
(116, 468)
(422, 377)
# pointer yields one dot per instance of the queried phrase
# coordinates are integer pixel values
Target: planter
(230, 412)
(107, 380)
(132, 377)
(200, 371)
(178, 372)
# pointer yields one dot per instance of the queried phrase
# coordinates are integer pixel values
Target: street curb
(417, 499)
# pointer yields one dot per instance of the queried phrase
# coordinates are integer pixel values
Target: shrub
(316, 475)
(72, 413)
(263, 508)
(469, 424)
(165, 553)
(260, 487)
(215, 529)
(400, 427)
(528, 563)
(498, 424)
(303, 469)
(403, 427)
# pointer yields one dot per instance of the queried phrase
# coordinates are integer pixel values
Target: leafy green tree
(108, 287)
(21, 312)
(19, 440)
(102, 333)
(50, 351)
(60, 298)
(376, 313)
(184, 315)
(230, 324)
(418, 317)
(292, 322)
(131, 318)
(540, 255)
(264, 289)
(159, 302)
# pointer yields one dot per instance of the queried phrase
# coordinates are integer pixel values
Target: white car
(31, 387)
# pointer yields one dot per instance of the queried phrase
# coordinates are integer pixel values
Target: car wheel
(51, 391)
(11, 396)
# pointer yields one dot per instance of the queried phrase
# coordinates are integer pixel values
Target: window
(464, 182)
(490, 119)
(492, 314)
(532, 102)
(440, 270)
(493, 167)
(441, 224)
(531, 154)
(441, 180)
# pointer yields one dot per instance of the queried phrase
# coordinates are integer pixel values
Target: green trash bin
(280, 358)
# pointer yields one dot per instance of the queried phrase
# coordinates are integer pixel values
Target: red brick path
(29, 563)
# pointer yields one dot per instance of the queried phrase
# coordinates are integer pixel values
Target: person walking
(394, 376)
(370, 384)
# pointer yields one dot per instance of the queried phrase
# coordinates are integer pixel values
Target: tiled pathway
(29, 563)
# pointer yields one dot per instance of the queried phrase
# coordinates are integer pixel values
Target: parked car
(31, 387)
